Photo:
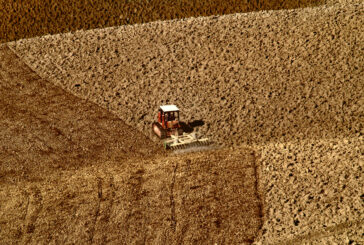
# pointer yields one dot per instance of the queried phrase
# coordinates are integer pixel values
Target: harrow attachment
(185, 141)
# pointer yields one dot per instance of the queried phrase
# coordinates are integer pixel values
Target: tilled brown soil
(24, 19)
(313, 191)
(252, 78)
(42, 124)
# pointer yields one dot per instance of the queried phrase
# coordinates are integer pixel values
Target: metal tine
(186, 145)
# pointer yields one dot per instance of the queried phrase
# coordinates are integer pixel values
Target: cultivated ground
(72, 172)
(31, 18)
(200, 198)
(40, 121)
(281, 91)
(249, 80)
(313, 191)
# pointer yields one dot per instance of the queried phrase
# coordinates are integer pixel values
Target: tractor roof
(169, 108)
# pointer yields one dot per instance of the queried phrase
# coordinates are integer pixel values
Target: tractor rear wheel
(159, 131)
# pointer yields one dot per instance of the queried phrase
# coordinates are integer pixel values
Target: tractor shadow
(190, 126)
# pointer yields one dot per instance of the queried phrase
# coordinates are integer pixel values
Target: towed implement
(169, 129)
(184, 140)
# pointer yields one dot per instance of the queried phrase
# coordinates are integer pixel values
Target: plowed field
(30, 18)
(281, 91)
(251, 78)
(71, 172)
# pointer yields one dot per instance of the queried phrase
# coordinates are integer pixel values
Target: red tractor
(168, 122)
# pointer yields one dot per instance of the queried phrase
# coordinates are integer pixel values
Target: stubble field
(281, 91)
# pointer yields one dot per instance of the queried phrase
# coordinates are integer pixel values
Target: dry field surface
(313, 191)
(30, 18)
(252, 78)
(41, 122)
(71, 172)
(281, 91)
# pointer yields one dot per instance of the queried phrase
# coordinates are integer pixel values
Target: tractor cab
(168, 121)
(168, 116)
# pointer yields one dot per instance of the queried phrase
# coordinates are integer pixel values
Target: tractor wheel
(159, 131)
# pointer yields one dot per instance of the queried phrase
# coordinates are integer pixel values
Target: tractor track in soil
(97, 212)
(172, 199)
(106, 193)
(33, 208)
(135, 215)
